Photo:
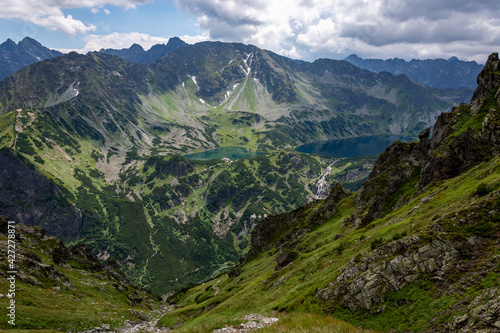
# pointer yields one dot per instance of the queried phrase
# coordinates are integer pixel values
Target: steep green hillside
(445, 272)
(62, 289)
(416, 249)
(167, 220)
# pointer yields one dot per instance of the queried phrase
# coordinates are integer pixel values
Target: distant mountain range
(14, 56)
(136, 53)
(440, 73)
(452, 73)
(297, 102)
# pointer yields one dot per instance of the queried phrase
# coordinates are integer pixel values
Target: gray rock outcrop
(392, 267)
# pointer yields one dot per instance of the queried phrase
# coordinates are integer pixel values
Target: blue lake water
(352, 147)
(231, 152)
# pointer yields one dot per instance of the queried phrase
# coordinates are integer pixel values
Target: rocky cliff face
(392, 267)
(487, 83)
(29, 198)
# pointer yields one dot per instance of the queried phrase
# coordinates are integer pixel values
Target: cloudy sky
(302, 29)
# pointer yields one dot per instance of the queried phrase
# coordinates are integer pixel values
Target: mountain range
(14, 56)
(102, 140)
(137, 54)
(440, 73)
(305, 101)
(93, 150)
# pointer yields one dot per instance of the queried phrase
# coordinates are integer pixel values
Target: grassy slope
(454, 210)
(262, 289)
(94, 301)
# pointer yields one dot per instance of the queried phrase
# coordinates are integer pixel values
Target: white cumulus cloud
(50, 15)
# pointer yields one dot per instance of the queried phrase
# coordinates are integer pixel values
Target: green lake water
(352, 147)
(231, 152)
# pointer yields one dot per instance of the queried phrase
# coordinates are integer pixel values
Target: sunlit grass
(321, 255)
(314, 323)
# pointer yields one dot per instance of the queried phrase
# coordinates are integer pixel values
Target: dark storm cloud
(402, 10)
(384, 28)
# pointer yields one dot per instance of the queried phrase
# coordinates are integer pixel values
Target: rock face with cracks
(392, 267)
(43, 203)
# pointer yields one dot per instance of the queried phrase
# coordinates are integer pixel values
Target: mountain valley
(415, 249)
(96, 149)
(102, 131)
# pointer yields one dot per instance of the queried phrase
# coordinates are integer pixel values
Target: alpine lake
(351, 147)
(231, 152)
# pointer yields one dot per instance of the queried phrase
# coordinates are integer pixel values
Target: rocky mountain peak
(487, 82)
(136, 47)
(352, 57)
(8, 45)
(15, 56)
(30, 41)
(176, 42)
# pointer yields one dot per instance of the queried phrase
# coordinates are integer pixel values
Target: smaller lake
(352, 147)
(231, 152)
